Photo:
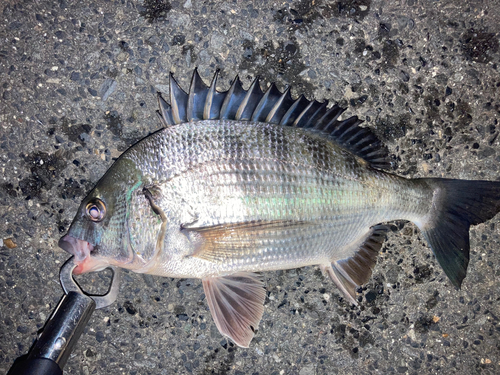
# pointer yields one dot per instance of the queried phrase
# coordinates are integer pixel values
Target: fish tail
(456, 205)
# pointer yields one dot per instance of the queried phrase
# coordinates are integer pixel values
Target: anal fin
(347, 288)
(237, 304)
(352, 272)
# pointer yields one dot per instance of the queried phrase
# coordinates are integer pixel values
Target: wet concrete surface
(78, 84)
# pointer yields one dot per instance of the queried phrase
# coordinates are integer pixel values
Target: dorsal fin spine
(276, 106)
(267, 101)
(299, 120)
(210, 100)
(294, 111)
(165, 111)
(316, 113)
(329, 120)
(196, 98)
(250, 101)
(279, 109)
(178, 101)
(228, 105)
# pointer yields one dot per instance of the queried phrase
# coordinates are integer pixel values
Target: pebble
(107, 88)
(8, 242)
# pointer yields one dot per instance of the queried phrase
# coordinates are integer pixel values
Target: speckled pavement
(77, 87)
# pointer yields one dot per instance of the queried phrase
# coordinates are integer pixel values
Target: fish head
(99, 235)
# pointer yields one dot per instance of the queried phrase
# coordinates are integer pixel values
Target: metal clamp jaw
(51, 350)
(69, 285)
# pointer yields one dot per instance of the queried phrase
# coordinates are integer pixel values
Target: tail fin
(456, 205)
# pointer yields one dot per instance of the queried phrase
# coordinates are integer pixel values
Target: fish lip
(78, 248)
(81, 250)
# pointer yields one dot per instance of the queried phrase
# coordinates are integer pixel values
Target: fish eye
(95, 210)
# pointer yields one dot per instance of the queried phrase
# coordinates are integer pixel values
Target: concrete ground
(77, 87)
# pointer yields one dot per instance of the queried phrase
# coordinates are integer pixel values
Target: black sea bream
(245, 181)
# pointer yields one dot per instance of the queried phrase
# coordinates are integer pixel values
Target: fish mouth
(81, 251)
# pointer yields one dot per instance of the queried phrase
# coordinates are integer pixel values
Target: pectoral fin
(231, 241)
(237, 304)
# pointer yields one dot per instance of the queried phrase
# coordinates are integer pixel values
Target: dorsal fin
(232, 101)
(250, 101)
(178, 101)
(197, 97)
(274, 106)
(295, 110)
(214, 100)
(311, 114)
(267, 102)
(165, 111)
(280, 107)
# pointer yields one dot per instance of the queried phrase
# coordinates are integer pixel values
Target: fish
(244, 181)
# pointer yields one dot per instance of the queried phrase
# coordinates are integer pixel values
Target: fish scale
(246, 181)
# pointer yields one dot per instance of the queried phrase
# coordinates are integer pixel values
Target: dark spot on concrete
(433, 301)
(359, 101)
(124, 46)
(424, 324)
(113, 73)
(71, 189)
(154, 10)
(479, 46)
(463, 112)
(339, 331)
(384, 30)
(189, 50)
(9, 189)
(22, 329)
(432, 104)
(354, 9)
(178, 40)
(219, 361)
(99, 336)
(300, 15)
(487, 152)
(78, 133)
(422, 273)
(114, 123)
(129, 307)
(182, 317)
(370, 296)
(44, 169)
(31, 187)
(179, 309)
(366, 338)
(390, 54)
(393, 127)
(62, 225)
(284, 62)
(247, 49)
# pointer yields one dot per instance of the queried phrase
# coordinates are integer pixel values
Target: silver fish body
(245, 181)
(300, 207)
